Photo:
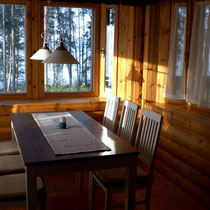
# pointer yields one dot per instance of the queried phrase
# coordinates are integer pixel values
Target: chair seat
(11, 164)
(9, 148)
(13, 187)
(117, 175)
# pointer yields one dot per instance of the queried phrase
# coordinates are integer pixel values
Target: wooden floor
(62, 195)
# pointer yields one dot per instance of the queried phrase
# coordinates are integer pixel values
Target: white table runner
(76, 139)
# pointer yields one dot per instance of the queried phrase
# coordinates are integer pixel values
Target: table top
(35, 149)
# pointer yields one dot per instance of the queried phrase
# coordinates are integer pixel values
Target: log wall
(184, 149)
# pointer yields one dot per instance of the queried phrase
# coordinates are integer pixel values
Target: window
(23, 78)
(109, 52)
(75, 26)
(108, 49)
(175, 83)
(12, 49)
(198, 80)
(198, 74)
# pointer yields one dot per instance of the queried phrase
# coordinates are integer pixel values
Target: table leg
(31, 189)
(130, 185)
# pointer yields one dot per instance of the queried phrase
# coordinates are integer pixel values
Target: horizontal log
(200, 128)
(5, 121)
(188, 125)
(184, 169)
(182, 109)
(184, 183)
(196, 161)
(79, 104)
(197, 144)
(5, 133)
(180, 117)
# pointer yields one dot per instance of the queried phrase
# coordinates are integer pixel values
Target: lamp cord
(45, 33)
(59, 25)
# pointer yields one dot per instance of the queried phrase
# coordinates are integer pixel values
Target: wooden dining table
(40, 160)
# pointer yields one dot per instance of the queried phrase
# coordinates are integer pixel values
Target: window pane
(12, 49)
(206, 44)
(181, 25)
(198, 78)
(74, 26)
(109, 62)
(175, 83)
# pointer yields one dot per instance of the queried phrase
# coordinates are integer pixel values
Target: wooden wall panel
(151, 47)
(157, 34)
(163, 49)
(137, 65)
(122, 50)
(130, 53)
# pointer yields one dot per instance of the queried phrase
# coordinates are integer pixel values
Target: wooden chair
(109, 121)
(9, 148)
(127, 122)
(111, 112)
(112, 180)
(13, 191)
(10, 159)
(11, 164)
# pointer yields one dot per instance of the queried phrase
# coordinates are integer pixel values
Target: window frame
(28, 93)
(35, 69)
(95, 54)
(103, 47)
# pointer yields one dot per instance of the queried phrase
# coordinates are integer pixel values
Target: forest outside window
(75, 26)
(175, 83)
(197, 86)
(12, 49)
(109, 52)
(198, 78)
(108, 49)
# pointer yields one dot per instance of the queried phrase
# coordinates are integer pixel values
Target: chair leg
(108, 200)
(79, 179)
(42, 204)
(148, 196)
(92, 191)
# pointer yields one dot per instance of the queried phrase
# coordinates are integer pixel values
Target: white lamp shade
(61, 56)
(41, 54)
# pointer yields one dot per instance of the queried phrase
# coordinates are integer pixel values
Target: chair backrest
(127, 122)
(147, 137)
(111, 112)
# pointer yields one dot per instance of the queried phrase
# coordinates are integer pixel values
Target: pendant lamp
(42, 53)
(61, 56)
